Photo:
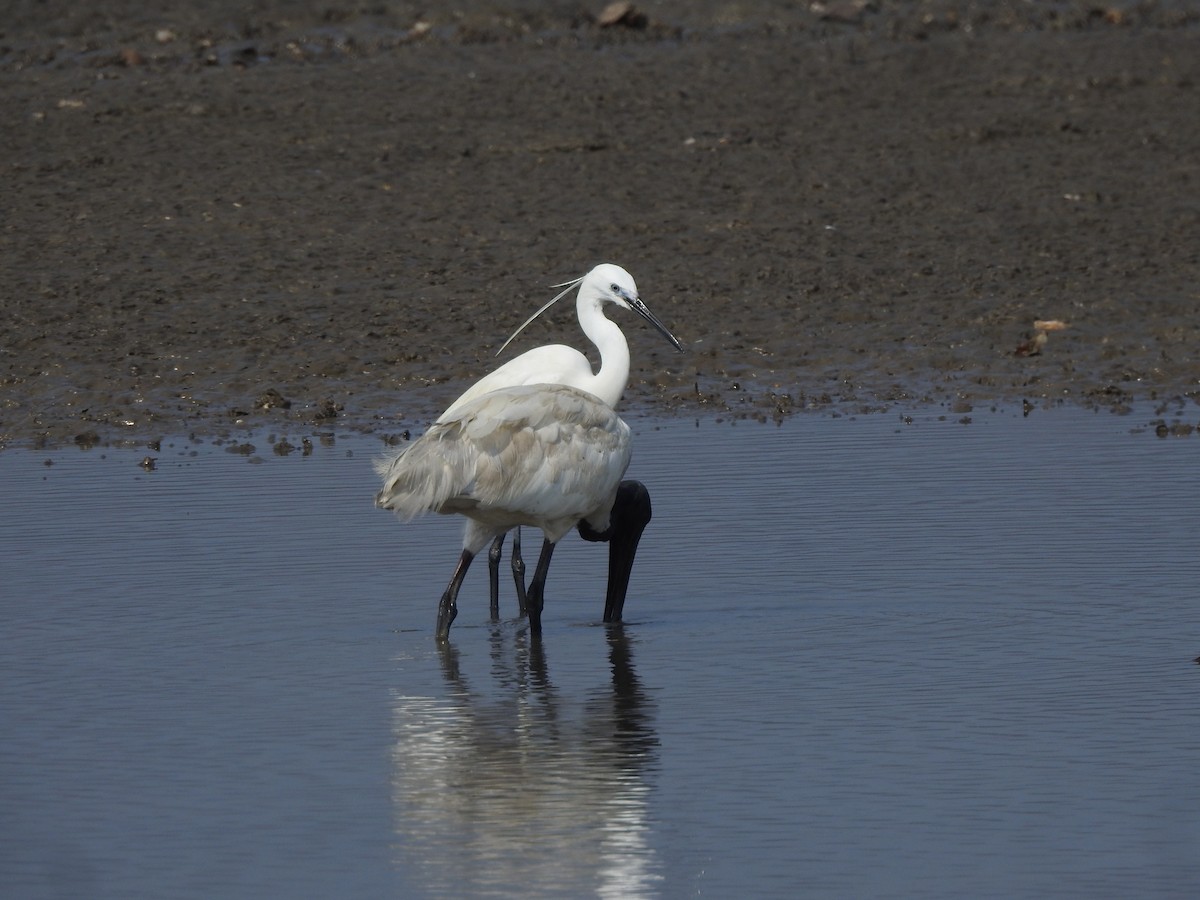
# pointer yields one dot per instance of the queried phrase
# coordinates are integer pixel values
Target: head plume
(566, 289)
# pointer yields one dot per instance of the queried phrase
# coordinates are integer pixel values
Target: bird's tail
(422, 477)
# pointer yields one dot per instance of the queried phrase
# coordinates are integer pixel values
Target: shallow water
(863, 658)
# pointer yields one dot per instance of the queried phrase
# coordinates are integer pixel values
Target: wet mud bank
(328, 218)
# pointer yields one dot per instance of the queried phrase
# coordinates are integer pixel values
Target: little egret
(560, 364)
(546, 455)
(552, 368)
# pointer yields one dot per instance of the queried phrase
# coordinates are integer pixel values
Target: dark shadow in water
(514, 785)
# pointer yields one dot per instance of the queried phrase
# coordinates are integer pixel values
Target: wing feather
(540, 454)
(426, 474)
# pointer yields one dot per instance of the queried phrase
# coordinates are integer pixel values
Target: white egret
(546, 455)
(560, 365)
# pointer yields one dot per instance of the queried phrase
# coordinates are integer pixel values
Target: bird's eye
(615, 288)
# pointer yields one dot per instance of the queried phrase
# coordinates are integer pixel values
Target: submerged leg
(630, 516)
(494, 554)
(448, 607)
(518, 570)
(537, 588)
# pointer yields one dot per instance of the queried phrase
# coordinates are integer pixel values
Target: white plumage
(545, 455)
(560, 364)
(536, 442)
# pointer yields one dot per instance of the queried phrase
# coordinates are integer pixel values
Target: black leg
(494, 554)
(537, 588)
(518, 570)
(630, 516)
(448, 607)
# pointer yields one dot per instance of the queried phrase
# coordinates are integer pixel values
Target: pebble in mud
(1178, 429)
(327, 409)
(621, 13)
(272, 399)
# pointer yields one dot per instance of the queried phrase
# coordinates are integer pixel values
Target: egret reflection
(514, 786)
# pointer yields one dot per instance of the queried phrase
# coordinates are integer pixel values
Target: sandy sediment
(323, 216)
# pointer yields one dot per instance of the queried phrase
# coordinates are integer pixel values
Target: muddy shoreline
(324, 217)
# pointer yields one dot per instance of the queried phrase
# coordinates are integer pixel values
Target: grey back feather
(536, 452)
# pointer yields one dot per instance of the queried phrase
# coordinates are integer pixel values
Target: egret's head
(613, 284)
(607, 283)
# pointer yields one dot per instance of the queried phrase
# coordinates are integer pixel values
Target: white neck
(613, 376)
